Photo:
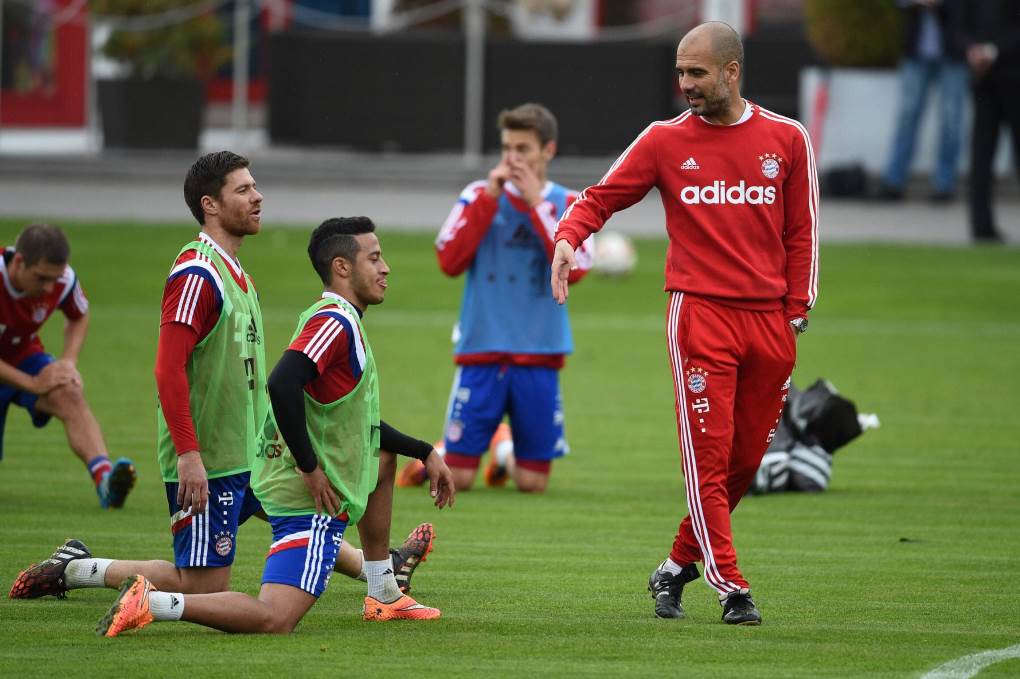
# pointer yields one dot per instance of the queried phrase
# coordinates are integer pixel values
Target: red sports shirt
(21, 316)
(332, 340)
(741, 205)
(192, 300)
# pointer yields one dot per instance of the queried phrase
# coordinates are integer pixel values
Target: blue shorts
(304, 551)
(210, 539)
(32, 365)
(482, 394)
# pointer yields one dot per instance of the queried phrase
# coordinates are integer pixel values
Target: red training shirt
(741, 205)
(192, 301)
(22, 316)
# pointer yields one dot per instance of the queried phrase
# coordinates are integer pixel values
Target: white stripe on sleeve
(202, 262)
(812, 198)
(359, 343)
(455, 221)
(324, 339)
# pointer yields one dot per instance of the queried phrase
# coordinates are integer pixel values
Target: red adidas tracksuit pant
(731, 370)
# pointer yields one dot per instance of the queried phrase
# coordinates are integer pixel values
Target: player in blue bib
(511, 338)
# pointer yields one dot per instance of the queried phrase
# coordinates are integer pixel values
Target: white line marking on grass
(969, 665)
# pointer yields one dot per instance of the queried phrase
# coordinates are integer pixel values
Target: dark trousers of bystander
(996, 101)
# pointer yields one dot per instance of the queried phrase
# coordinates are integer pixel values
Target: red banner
(44, 64)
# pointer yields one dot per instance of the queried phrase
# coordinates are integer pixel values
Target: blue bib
(508, 304)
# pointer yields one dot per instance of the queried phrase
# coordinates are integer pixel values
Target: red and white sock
(99, 467)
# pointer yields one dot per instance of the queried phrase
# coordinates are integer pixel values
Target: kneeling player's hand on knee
(56, 374)
(325, 496)
(67, 366)
(192, 482)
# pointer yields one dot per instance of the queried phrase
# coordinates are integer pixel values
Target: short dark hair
(43, 242)
(335, 238)
(727, 45)
(533, 117)
(207, 177)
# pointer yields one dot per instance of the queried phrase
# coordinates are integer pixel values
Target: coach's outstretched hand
(441, 486)
(563, 263)
(192, 482)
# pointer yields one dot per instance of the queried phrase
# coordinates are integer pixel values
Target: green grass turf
(911, 559)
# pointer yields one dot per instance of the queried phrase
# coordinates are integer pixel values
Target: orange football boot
(412, 475)
(404, 608)
(130, 610)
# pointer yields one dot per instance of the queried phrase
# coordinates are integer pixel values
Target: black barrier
(406, 92)
(365, 92)
(773, 59)
(603, 94)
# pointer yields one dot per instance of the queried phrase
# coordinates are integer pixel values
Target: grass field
(910, 560)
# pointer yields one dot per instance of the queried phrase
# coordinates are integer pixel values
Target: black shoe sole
(122, 480)
(670, 617)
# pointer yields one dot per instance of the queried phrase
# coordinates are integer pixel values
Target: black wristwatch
(799, 325)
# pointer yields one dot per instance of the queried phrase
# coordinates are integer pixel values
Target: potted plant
(166, 53)
(859, 34)
(847, 103)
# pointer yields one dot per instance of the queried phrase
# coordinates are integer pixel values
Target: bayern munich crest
(454, 431)
(697, 380)
(770, 164)
(224, 543)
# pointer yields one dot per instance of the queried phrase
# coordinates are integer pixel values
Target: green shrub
(862, 33)
(193, 48)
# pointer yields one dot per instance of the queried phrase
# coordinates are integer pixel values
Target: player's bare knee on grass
(531, 476)
(464, 478)
(531, 482)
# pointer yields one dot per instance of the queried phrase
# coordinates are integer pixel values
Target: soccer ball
(614, 254)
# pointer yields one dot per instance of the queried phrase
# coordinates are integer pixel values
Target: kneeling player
(511, 338)
(314, 478)
(36, 282)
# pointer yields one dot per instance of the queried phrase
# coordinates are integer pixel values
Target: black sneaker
(407, 557)
(739, 609)
(667, 588)
(47, 577)
(117, 483)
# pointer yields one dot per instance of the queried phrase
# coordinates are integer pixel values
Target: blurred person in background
(989, 33)
(511, 338)
(930, 56)
(37, 281)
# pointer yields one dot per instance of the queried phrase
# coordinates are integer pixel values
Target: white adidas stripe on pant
(712, 575)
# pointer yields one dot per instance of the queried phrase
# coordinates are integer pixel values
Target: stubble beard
(369, 294)
(243, 225)
(715, 103)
